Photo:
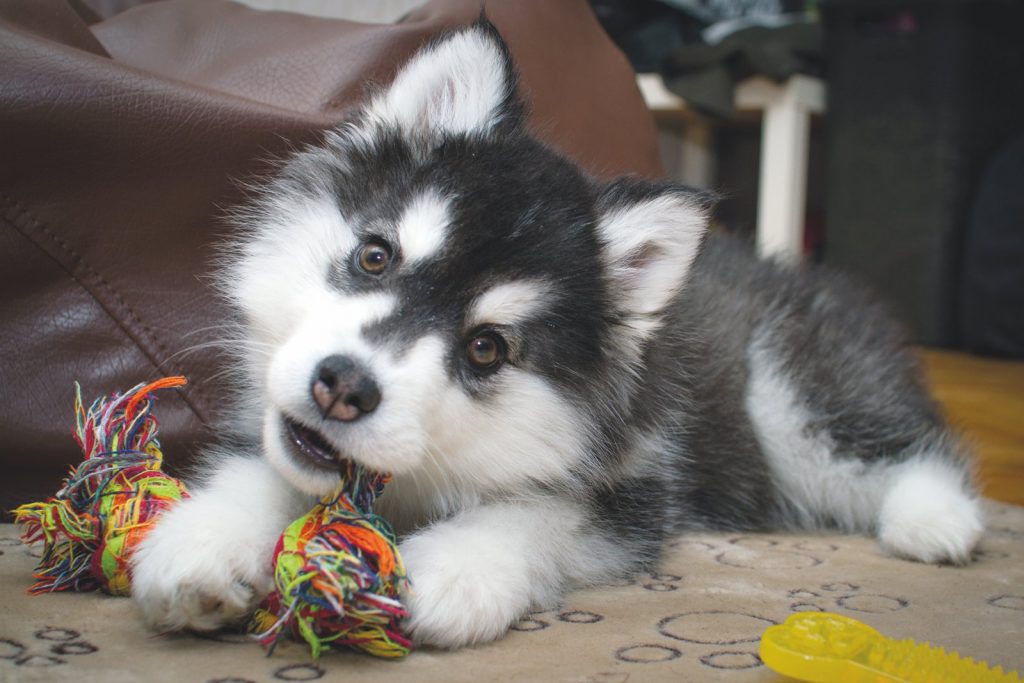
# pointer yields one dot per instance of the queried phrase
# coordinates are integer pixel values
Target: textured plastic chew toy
(825, 647)
(337, 569)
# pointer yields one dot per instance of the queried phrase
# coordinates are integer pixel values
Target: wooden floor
(985, 399)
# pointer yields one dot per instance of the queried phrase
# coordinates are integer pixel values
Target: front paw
(199, 571)
(461, 596)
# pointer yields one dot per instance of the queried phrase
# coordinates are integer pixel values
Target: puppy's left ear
(650, 236)
(461, 83)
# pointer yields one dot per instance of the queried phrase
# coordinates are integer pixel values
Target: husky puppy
(559, 372)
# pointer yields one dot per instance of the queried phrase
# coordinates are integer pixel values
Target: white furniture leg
(697, 162)
(785, 133)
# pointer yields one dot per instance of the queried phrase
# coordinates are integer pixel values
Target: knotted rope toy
(106, 504)
(337, 571)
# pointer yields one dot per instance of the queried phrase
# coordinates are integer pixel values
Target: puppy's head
(433, 292)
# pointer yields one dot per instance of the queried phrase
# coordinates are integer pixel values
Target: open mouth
(311, 446)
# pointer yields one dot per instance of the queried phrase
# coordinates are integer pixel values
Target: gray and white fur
(559, 372)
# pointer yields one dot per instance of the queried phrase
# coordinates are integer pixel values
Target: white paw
(462, 593)
(199, 569)
(928, 516)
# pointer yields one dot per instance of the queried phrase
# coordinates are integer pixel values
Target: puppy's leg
(208, 560)
(929, 512)
(474, 575)
(882, 463)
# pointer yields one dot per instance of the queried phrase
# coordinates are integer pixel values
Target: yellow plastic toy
(825, 647)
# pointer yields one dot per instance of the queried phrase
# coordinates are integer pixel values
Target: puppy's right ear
(462, 83)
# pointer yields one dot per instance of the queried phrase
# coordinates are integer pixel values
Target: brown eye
(485, 351)
(374, 258)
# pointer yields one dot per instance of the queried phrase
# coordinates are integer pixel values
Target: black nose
(344, 390)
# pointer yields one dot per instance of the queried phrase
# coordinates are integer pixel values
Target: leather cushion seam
(123, 315)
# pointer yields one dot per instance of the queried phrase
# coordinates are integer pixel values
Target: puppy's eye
(486, 351)
(374, 258)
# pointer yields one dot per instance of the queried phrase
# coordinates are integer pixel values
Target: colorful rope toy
(106, 504)
(338, 575)
(337, 569)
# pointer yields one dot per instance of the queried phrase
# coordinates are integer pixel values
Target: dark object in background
(649, 30)
(921, 95)
(992, 292)
(705, 73)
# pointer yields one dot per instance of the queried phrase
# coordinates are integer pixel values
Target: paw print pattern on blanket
(646, 653)
(662, 583)
(1015, 602)
(58, 644)
(734, 635)
(299, 672)
(538, 621)
(733, 645)
(753, 552)
(844, 596)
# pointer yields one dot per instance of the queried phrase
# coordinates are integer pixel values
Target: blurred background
(914, 154)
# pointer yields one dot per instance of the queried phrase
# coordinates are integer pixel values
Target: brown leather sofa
(123, 139)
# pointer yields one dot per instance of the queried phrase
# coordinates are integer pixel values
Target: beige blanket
(699, 618)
